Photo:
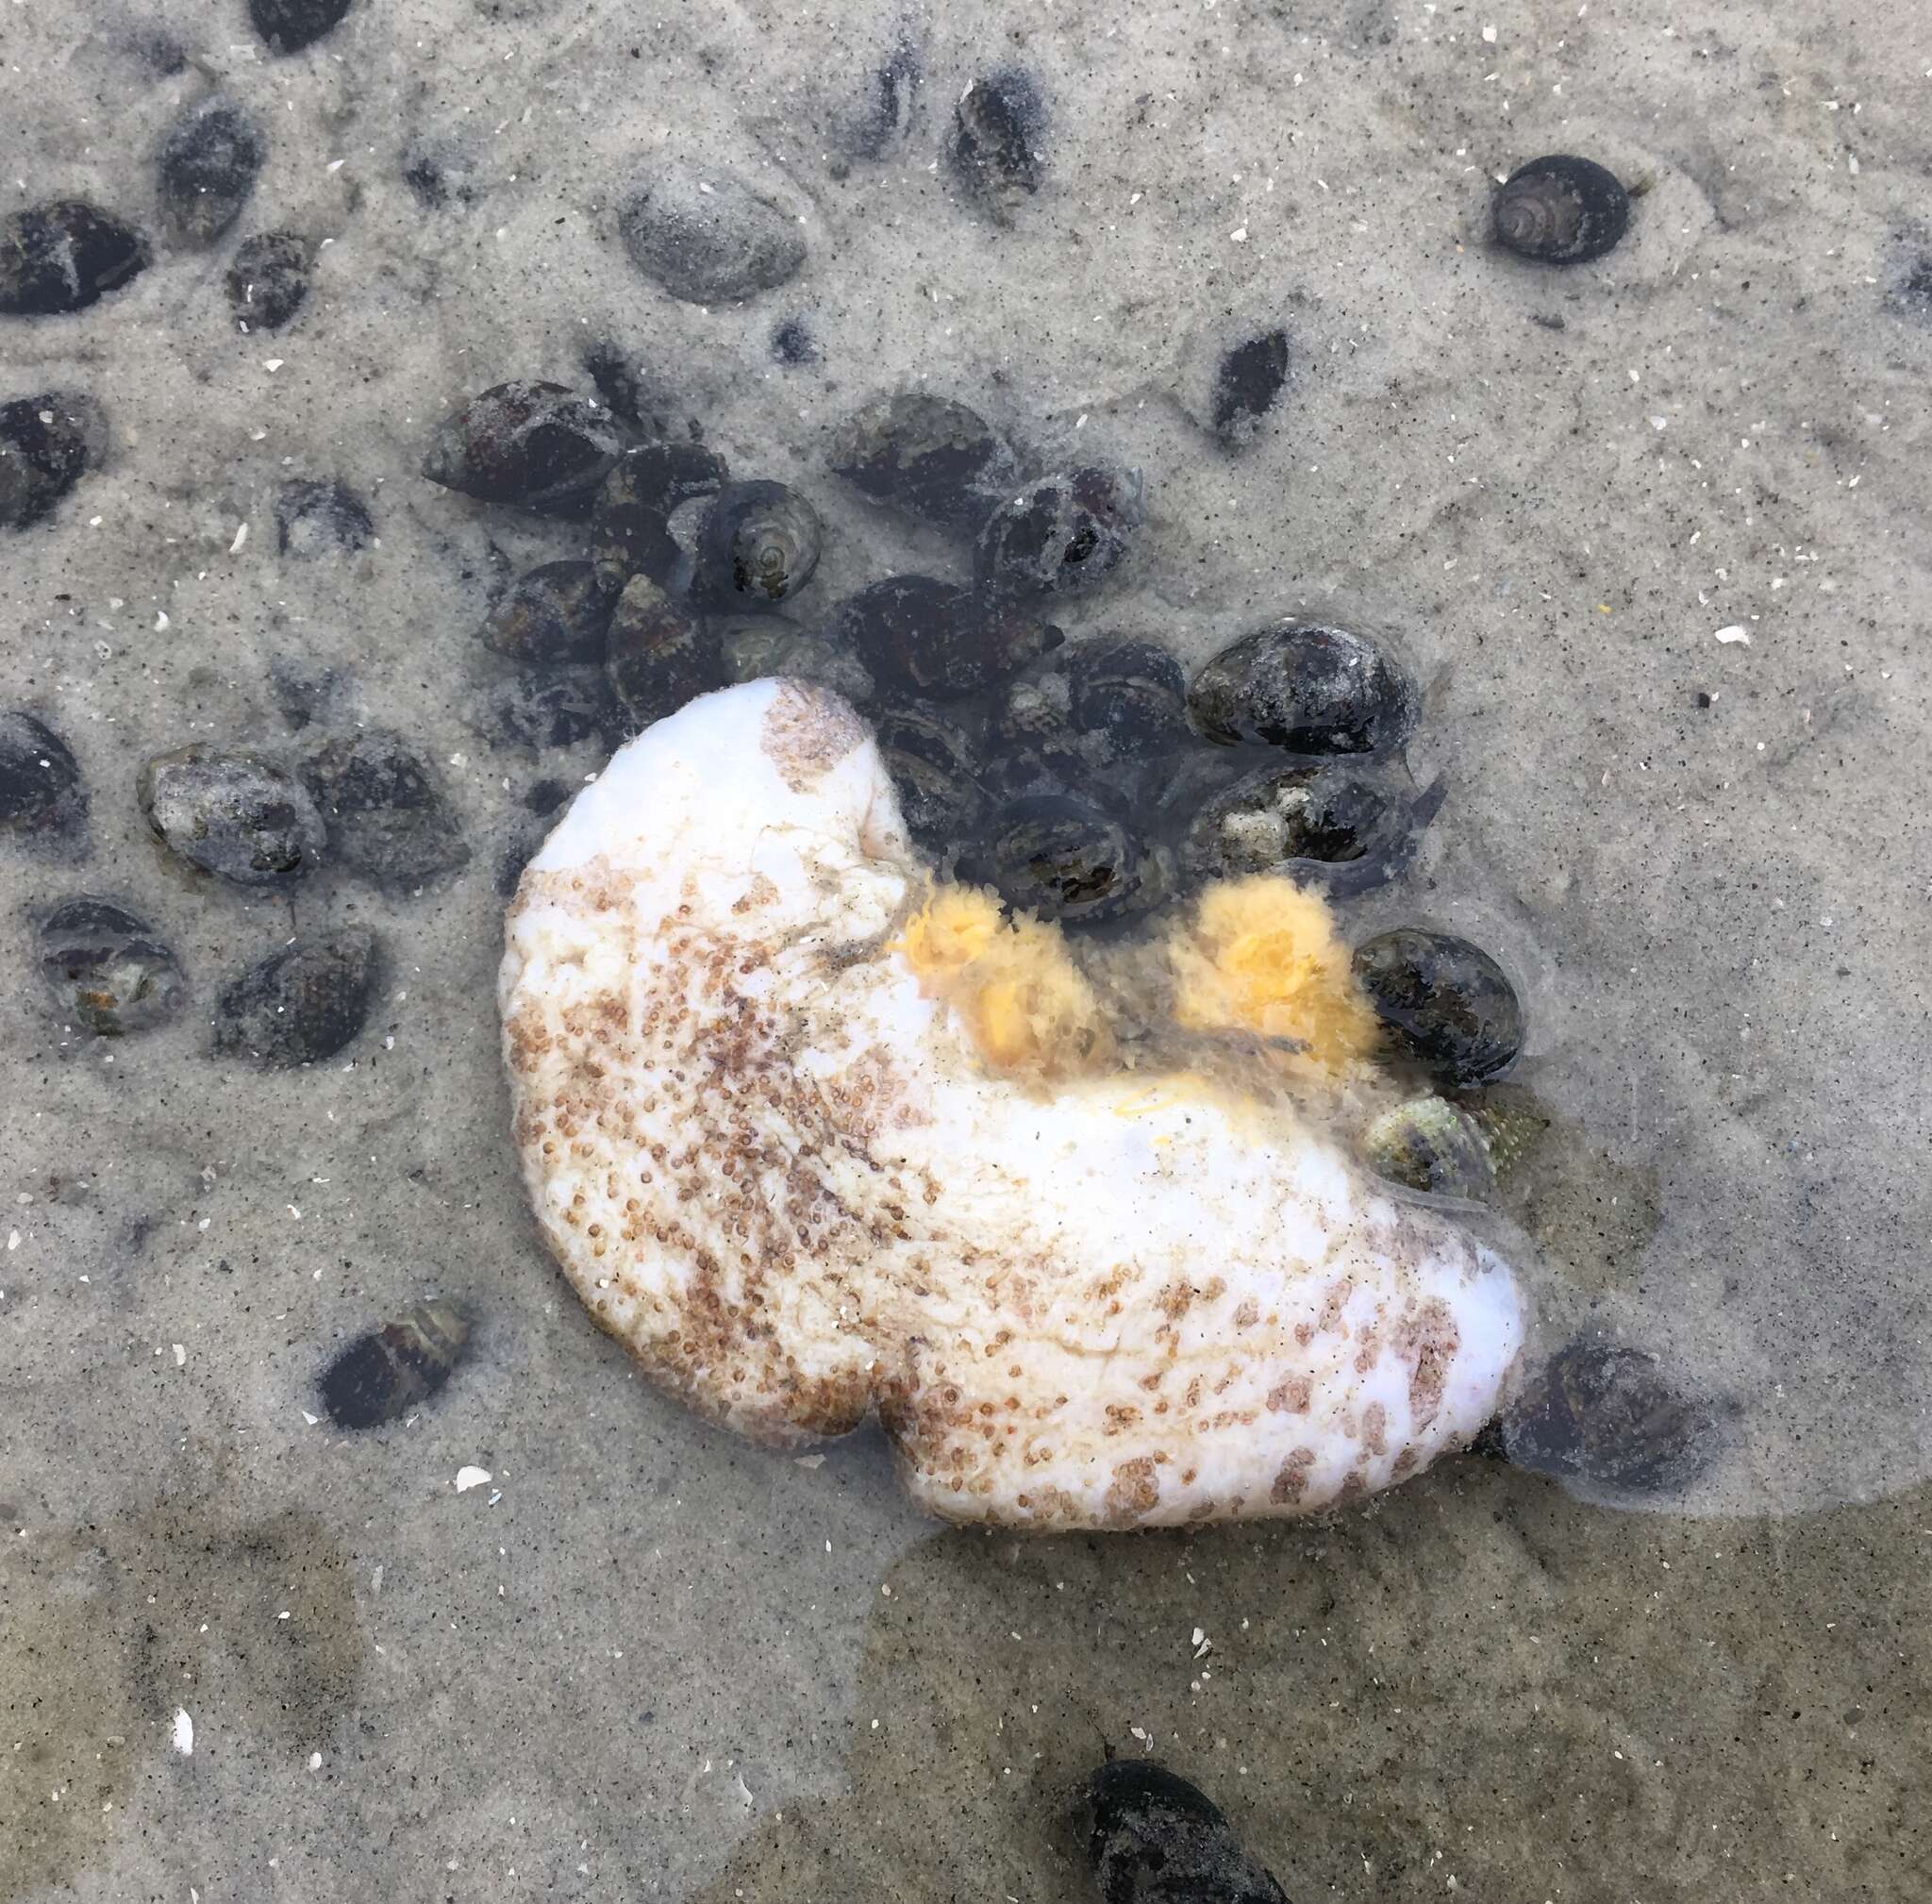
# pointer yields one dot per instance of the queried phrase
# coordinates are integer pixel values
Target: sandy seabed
(645, 1659)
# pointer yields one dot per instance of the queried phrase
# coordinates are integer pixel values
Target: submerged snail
(1153, 1838)
(935, 771)
(995, 149)
(920, 633)
(109, 969)
(760, 544)
(1061, 858)
(1448, 1149)
(382, 1376)
(48, 442)
(1332, 824)
(1065, 535)
(926, 455)
(1606, 1416)
(539, 445)
(658, 654)
(1560, 209)
(1305, 688)
(1446, 1004)
(630, 526)
(64, 255)
(754, 646)
(207, 168)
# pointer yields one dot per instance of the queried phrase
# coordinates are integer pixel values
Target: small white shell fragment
(182, 1735)
(471, 1477)
(1734, 633)
(780, 1173)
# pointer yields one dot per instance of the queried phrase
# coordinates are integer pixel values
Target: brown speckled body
(780, 1175)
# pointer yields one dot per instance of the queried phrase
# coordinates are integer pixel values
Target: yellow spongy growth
(1263, 955)
(1014, 984)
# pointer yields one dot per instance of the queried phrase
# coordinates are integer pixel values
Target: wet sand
(614, 1665)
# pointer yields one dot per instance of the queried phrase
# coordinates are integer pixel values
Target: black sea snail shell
(760, 544)
(1560, 209)
(1061, 858)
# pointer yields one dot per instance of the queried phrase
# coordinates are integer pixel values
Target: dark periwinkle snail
(48, 442)
(1446, 1004)
(268, 279)
(41, 787)
(392, 1371)
(630, 524)
(658, 654)
(935, 769)
(760, 544)
(1560, 209)
(707, 236)
(318, 519)
(926, 455)
(63, 256)
(1104, 713)
(1606, 1416)
(1132, 692)
(302, 1003)
(1337, 826)
(551, 706)
(233, 813)
(919, 633)
(536, 444)
(995, 150)
(289, 25)
(556, 613)
(108, 968)
(1309, 689)
(1061, 857)
(207, 168)
(1063, 536)
(388, 816)
(1247, 384)
(1153, 1838)
(757, 647)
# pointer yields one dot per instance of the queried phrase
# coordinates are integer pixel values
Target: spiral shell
(64, 255)
(630, 526)
(1560, 209)
(1431, 1145)
(760, 544)
(709, 237)
(107, 969)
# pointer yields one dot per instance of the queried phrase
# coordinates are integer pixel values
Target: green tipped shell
(1429, 1143)
(1454, 1149)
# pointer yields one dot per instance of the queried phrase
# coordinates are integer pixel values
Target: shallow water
(644, 1659)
